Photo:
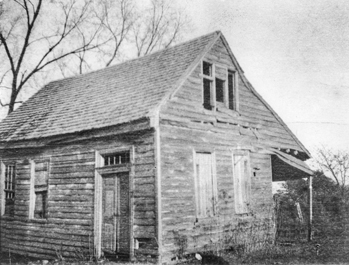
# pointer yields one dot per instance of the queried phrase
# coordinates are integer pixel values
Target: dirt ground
(296, 254)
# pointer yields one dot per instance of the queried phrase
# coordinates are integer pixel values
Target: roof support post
(310, 203)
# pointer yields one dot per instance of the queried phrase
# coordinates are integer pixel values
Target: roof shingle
(111, 96)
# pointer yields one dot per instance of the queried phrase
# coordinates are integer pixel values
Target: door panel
(115, 220)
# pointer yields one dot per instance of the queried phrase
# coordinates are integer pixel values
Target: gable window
(205, 184)
(116, 158)
(207, 85)
(9, 189)
(219, 86)
(232, 90)
(242, 182)
(39, 190)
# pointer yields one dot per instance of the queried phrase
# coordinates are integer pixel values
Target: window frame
(3, 191)
(198, 193)
(242, 181)
(233, 104)
(211, 79)
(212, 104)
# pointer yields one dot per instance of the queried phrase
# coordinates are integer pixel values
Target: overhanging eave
(287, 167)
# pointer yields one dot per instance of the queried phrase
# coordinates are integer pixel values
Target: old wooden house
(160, 156)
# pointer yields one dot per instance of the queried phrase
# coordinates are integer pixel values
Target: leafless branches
(335, 163)
(54, 47)
(159, 28)
(72, 36)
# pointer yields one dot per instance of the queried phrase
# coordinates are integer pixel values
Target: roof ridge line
(133, 59)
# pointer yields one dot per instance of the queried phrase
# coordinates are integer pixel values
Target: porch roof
(287, 167)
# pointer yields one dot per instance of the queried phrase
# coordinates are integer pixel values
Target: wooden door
(116, 214)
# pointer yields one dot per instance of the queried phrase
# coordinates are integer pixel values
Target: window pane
(219, 90)
(207, 94)
(207, 69)
(40, 204)
(117, 158)
(9, 189)
(231, 89)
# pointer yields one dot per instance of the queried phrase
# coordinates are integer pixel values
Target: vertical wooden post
(310, 202)
(2, 198)
(98, 207)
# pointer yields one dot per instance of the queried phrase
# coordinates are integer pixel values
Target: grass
(330, 251)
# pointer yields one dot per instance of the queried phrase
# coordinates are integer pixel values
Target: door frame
(101, 170)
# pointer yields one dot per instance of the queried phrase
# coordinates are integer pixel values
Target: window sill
(39, 221)
(25, 220)
(7, 218)
(230, 112)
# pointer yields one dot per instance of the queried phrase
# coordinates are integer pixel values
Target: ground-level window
(205, 184)
(242, 182)
(9, 188)
(40, 190)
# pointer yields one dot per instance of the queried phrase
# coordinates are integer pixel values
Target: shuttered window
(242, 182)
(205, 184)
(39, 190)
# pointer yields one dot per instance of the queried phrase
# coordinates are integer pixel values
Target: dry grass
(330, 251)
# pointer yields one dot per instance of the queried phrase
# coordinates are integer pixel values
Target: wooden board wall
(69, 226)
(186, 127)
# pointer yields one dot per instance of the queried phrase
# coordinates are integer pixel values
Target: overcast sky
(294, 52)
(296, 55)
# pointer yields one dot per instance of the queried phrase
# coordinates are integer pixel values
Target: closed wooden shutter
(242, 182)
(206, 185)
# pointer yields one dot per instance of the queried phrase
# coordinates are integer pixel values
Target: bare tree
(158, 28)
(335, 163)
(32, 43)
(43, 39)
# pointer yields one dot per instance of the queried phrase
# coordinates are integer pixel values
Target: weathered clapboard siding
(70, 207)
(187, 104)
(186, 127)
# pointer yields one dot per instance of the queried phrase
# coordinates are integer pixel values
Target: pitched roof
(111, 96)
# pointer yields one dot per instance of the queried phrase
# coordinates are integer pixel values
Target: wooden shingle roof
(111, 96)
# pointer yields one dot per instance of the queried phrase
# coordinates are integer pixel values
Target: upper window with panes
(219, 87)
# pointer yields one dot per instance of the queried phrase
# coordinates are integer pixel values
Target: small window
(207, 68)
(232, 90)
(205, 184)
(9, 188)
(242, 182)
(219, 90)
(116, 158)
(40, 189)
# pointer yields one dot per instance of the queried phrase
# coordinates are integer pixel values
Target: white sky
(296, 55)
